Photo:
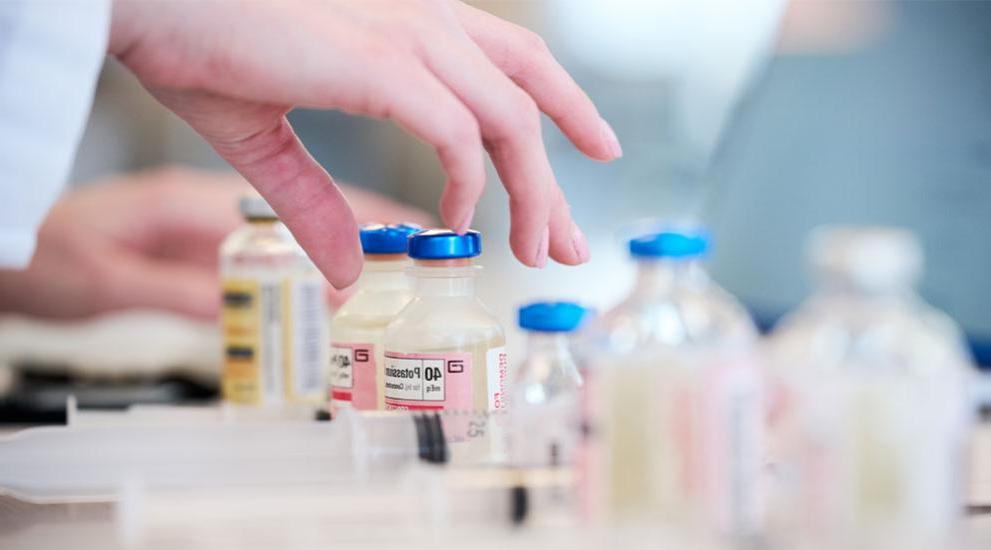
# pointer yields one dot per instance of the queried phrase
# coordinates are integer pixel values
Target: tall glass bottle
(356, 355)
(675, 398)
(872, 410)
(274, 315)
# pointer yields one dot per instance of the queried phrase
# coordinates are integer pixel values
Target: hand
(145, 240)
(454, 76)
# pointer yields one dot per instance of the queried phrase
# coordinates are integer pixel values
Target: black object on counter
(39, 395)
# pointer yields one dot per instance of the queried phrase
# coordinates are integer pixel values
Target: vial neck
(659, 275)
(445, 286)
(549, 356)
(554, 344)
(385, 273)
(445, 278)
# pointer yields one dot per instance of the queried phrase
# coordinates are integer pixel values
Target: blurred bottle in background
(545, 410)
(676, 401)
(382, 290)
(871, 409)
(274, 316)
(545, 403)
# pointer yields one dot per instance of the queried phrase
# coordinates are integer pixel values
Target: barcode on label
(308, 308)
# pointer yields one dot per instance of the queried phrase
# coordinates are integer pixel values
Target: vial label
(425, 381)
(731, 395)
(352, 375)
(497, 369)
(697, 456)
(252, 325)
(305, 330)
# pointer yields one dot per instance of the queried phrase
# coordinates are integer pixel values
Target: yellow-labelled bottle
(274, 317)
(356, 353)
(445, 351)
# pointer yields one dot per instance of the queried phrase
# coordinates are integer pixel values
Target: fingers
(567, 240)
(509, 122)
(304, 196)
(524, 56)
(257, 140)
(430, 111)
(402, 89)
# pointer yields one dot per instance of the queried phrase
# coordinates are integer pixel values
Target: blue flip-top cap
(670, 244)
(387, 239)
(551, 316)
(444, 244)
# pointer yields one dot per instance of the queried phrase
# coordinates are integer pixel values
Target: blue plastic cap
(386, 239)
(670, 244)
(444, 244)
(551, 316)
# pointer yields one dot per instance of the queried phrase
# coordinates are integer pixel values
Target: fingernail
(542, 248)
(579, 242)
(612, 142)
(465, 223)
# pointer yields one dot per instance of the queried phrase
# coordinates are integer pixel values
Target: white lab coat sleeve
(51, 52)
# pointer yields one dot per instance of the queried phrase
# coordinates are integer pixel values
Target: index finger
(307, 201)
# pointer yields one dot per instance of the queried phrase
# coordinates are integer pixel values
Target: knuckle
(381, 49)
(530, 198)
(464, 130)
(528, 54)
(531, 43)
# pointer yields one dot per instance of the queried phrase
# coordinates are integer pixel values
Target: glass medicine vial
(356, 354)
(546, 404)
(274, 315)
(678, 355)
(873, 411)
(445, 351)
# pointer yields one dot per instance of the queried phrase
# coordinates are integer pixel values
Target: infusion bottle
(356, 353)
(274, 314)
(545, 412)
(872, 408)
(445, 351)
(675, 401)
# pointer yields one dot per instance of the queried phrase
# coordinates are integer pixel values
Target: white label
(496, 371)
(428, 381)
(308, 336)
(414, 379)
